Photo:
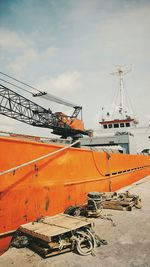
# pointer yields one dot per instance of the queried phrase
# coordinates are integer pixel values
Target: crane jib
(18, 107)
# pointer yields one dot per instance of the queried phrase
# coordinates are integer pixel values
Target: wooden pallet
(46, 233)
(120, 201)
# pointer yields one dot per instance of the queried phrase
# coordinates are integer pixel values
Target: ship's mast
(120, 72)
(122, 115)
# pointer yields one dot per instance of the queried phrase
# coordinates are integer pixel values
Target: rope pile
(85, 242)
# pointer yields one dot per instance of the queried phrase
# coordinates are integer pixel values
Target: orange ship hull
(50, 185)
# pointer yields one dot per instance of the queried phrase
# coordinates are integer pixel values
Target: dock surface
(128, 242)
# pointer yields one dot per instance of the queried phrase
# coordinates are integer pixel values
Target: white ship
(119, 128)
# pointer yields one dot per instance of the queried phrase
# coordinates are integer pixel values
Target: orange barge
(50, 184)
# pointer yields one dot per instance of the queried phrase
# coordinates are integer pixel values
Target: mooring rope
(38, 159)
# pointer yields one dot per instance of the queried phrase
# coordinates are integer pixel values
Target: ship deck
(128, 242)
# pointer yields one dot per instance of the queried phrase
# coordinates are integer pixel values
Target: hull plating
(52, 184)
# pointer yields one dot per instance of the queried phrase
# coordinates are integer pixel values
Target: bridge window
(116, 125)
(121, 125)
(105, 126)
(110, 125)
(127, 124)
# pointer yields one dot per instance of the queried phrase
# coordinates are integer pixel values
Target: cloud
(20, 63)
(7, 124)
(89, 37)
(62, 83)
(49, 51)
(20, 52)
(16, 50)
(11, 41)
(128, 35)
(118, 34)
(29, 57)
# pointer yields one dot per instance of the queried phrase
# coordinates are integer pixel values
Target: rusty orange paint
(74, 123)
(52, 184)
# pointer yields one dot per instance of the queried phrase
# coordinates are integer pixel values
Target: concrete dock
(128, 241)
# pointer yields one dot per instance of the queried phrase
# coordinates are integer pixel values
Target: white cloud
(7, 124)
(20, 51)
(17, 51)
(49, 51)
(96, 35)
(19, 65)
(128, 33)
(119, 34)
(65, 82)
(10, 40)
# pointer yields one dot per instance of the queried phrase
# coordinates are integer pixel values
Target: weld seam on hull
(112, 176)
(86, 181)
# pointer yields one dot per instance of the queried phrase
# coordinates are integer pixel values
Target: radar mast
(120, 72)
(122, 114)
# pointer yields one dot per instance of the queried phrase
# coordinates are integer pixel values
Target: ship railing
(42, 139)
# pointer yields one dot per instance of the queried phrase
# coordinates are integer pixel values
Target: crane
(20, 108)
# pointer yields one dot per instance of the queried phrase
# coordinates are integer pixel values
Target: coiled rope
(38, 159)
(85, 242)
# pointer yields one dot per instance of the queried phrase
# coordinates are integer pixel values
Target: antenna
(121, 70)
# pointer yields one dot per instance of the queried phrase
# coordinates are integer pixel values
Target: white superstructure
(120, 123)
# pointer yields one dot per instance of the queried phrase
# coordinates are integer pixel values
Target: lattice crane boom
(18, 107)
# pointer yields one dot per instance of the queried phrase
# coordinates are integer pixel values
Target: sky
(69, 48)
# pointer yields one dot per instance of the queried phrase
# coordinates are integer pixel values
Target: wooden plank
(37, 235)
(112, 206)
(47, 252)
(56, 252)
(50, 230)
(65, 221)
(49, 227)
(32, 226)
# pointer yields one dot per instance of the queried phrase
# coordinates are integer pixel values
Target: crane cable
(20, 82)
(16, 86)
(58, 100)
(42, 94)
